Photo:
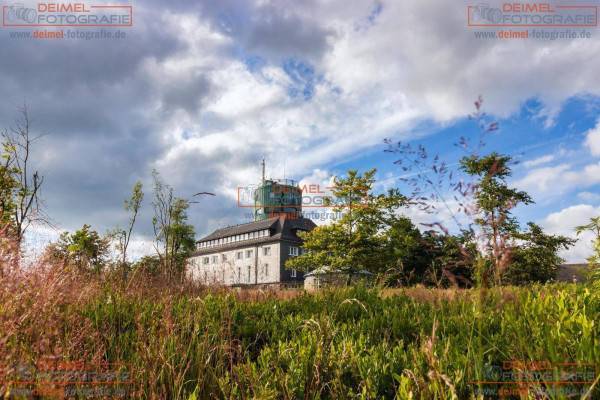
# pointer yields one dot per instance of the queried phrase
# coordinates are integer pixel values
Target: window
(249, 253)
(293, 273)
(266, 232)
(224, 258)
(215, 259)
(239, 274)
(205, 278)
(293, 251)
(249, 268)
(266, 270)
(239, 255)
(266, 251)
(205, 260)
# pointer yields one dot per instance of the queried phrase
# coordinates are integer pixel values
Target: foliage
(178, 341)
(8, 187)
(85, 249)
(355, 241)
(535, 259)
(148, 265)
(594, 260)
(451, 259)
(494, 202)
(405, 254)
(20, 185)
(174, 237)
(123, 236)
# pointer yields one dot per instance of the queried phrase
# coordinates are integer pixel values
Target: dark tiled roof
(280, 229)
(242, 228)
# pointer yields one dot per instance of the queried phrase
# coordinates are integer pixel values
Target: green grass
(354, 343)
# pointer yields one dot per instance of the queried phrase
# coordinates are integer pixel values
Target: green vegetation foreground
(185, 342)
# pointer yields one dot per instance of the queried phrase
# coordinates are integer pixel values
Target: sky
(202, 91)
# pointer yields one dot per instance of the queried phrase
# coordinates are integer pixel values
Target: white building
(250, 254)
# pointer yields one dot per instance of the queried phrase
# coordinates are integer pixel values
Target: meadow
(186, 342)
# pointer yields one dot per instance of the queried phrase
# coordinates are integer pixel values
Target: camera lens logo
(20, 13)
(483, 12)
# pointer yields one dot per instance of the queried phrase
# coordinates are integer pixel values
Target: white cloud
(589, 196)
(592, 140)
(543, 179)
(539, 161)
(563, 222)
(183, 98)
(559, 179)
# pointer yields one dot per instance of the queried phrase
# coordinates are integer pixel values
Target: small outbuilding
(575, 273)
(326, 277)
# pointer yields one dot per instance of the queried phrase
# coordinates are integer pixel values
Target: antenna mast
(263, 171)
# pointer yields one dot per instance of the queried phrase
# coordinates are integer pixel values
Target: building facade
(255, 253)
(250, 254)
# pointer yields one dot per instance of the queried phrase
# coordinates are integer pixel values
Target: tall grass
(182, 341)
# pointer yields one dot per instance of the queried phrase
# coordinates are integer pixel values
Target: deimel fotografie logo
(532, 14)
(67, 15)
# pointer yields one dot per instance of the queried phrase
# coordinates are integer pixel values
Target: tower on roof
(275, 197)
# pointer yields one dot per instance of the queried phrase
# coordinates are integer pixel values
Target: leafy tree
(174, 237)
(405, 253)
(494, 201)
(132, 205)
(85, 249)
(8, 186)
(594, 259)
(20, 185)
(148, 264)
(451, 259)
(535, 258)
(355, 241)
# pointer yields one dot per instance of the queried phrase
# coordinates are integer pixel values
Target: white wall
(235, 271)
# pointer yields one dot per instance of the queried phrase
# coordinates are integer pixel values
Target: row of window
(294, 251)
(234, 238)
(265, 271)
(238, 256)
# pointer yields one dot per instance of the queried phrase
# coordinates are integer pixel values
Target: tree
(131, 205)
(594, 259)
(494, 201)
(85, 249)
(406, 255)
(20, 185)
(174, 237)
(451, 258)
(148, 264)
(535, 258)
(356, 240)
